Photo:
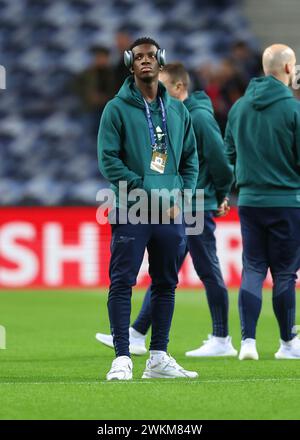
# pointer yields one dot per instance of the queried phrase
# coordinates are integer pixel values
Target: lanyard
(150, 122)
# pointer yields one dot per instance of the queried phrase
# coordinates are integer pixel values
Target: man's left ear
(179, 85)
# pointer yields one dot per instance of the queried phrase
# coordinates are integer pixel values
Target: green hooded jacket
(124, 143)
(215, 174)
(263, 143)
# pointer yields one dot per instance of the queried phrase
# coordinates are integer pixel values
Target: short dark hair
(240, 44)
(177, 72)
(144, 40)
(97, 49)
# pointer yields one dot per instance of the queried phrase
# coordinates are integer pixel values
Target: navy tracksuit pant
(165, 244)
(271, 239)
(204, 255)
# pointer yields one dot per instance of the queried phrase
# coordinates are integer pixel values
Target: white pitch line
(166, 381)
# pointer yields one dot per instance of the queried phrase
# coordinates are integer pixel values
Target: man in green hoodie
(263, 143)
(146, 139)
(216, 178)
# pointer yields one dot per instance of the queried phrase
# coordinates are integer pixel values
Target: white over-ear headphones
(160, 56)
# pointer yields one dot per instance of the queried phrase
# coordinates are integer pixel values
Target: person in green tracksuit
(215, 177)
(146, 139)
(263, 144)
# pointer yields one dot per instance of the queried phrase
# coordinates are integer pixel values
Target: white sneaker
(137, 341)
(105, 339)
(248, 350)
(289, 350)
(214, 346)
(165, 367)
(121, 369)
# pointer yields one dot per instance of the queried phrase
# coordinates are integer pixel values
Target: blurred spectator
(232, 86)
(206, 74)
(95, 86)
(224, 84)
(123, 42)
(246, 61)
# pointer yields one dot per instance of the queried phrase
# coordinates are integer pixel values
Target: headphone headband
(160, 56)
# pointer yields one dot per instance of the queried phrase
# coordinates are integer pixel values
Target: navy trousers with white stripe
(165, 244)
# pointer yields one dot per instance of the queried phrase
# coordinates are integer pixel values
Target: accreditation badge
(158, 162)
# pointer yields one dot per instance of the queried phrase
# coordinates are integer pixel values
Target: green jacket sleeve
(210, 144)
(109, 151)
(189, 164)
(229, 145)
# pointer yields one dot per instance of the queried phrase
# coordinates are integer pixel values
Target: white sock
(135, 334)
(123, 357)
(249, 341)
(221, 339)
(287, 343)
(157, 353)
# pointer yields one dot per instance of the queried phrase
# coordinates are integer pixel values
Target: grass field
(53, 368)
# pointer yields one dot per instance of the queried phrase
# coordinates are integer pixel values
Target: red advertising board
(66, 247)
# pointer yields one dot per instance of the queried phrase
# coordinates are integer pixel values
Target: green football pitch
(53, 367)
